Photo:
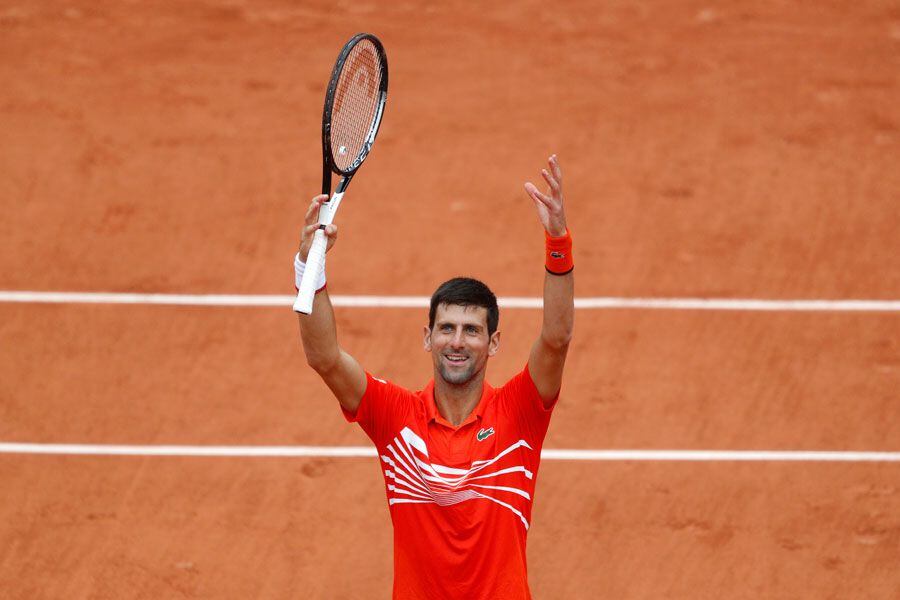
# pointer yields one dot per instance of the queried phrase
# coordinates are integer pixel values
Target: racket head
(354, 105)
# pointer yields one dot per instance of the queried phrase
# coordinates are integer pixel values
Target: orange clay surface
(719, 149)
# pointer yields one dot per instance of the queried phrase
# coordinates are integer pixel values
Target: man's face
(459, 342)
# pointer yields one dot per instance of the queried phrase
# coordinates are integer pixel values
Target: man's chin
(457, 377)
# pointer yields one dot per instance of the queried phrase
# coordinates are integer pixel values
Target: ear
(427, 341)
(494, 344)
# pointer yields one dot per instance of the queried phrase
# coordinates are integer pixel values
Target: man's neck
(456, 402)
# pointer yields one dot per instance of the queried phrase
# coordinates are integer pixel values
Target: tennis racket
(354, 105)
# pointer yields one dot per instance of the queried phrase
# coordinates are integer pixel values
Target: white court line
(368, 451)
(741, 304)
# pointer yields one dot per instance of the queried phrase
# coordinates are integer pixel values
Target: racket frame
(315, 260)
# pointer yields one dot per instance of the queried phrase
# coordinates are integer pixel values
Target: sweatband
(559, 253)
(300, 267)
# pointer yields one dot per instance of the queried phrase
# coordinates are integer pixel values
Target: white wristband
(300, 267)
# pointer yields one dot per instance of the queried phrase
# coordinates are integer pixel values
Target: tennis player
(460, 458)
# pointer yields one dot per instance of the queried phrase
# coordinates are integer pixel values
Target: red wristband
(559, 253)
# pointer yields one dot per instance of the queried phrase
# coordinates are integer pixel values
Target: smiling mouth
(456, 359)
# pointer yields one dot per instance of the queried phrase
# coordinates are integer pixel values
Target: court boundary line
(373, 301)
(370, 452)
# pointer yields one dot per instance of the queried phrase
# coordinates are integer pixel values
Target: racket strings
(356, 100)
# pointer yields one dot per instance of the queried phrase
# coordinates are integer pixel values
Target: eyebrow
(451, 323)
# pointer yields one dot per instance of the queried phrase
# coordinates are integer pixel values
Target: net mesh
(356, 99)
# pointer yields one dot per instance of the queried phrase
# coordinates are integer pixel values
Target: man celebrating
(460, 458)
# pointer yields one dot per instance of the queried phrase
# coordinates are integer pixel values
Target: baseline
(367, 451)
(365, 301)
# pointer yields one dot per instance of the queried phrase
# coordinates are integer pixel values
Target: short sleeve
(383, 406)
(521, 394)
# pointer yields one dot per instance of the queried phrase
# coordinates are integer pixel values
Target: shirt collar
(433, 414)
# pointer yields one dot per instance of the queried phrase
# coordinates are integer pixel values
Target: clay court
(729, 151)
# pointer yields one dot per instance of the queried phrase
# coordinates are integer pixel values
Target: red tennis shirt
(460, 497)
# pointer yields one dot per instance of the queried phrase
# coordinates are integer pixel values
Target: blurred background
(725, 150)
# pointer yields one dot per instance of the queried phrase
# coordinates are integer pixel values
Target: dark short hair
(465, 291)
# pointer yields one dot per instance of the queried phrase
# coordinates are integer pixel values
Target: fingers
(533, 193)
(312, 213)
(550, 205)
(310, 230)
(309, 233)
(537, 196)
(330, 236)
(554, 168)
(553, 175)
(551, 181)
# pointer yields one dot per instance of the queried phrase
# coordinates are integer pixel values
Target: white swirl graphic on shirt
(413, 479)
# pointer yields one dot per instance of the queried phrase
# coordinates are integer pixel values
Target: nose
(457, 340)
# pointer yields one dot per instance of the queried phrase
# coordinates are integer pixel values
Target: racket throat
(342, 186)
(326, 174)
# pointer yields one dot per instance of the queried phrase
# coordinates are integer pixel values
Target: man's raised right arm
(318, 332)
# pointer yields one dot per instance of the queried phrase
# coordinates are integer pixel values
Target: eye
(472, 329)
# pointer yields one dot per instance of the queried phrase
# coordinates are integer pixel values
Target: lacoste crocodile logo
(484, 434)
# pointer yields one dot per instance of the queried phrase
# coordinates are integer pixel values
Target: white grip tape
(300, 269)
(315, 262)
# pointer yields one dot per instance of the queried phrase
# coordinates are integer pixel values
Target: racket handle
(315, 262)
